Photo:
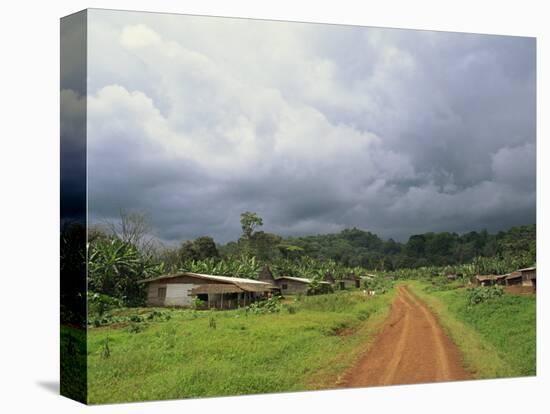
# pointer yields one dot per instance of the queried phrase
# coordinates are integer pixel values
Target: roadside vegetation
(301, 344)
(495, 331)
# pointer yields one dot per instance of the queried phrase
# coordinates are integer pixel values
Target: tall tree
(249, 222)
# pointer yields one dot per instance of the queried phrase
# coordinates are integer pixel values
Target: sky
(315, 127)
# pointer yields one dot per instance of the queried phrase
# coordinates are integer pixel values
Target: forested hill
(354, 247)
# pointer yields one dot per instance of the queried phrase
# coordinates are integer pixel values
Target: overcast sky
(315, 127)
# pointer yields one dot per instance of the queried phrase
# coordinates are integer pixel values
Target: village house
(513, 279)
(490, 280)
(529, 277)
(266, 276)
(349, 281)
(290, 285)
(222, 292)
(523, 277)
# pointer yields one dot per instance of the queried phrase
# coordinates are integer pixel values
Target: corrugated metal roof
(489, 277)
(250, 285)
(513, 275)
(300, 279)
(216, 288)
(528, 269)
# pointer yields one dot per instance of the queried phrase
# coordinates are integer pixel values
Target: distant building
(524, 277)
(266, 276)
(529, 277)
(220, 292)
(513, 279)
(490, 280)
(290, 285)
(349, 281)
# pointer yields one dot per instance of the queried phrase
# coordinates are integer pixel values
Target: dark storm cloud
(317, 128)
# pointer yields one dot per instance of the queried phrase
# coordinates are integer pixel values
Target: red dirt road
(411, 348)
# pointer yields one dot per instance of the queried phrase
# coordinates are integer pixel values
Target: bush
(482, 293)
(198, 303)
(136, 327)
(271, 305)
(99, 304)
(379, 284)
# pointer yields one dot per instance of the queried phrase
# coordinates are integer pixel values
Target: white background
(29, 174)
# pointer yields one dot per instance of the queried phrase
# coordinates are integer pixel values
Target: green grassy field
(305, 346)
(497, 337)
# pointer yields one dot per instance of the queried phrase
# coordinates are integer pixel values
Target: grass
(497, 337)
(305, 346)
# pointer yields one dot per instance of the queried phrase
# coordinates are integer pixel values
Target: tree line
(359, 248)
(122, 253)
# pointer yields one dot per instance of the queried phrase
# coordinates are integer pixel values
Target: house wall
(177, 294)
(152, 294)
(348, 283)
(528, 278)
(293, 287)
(526, 282)
(514, 281)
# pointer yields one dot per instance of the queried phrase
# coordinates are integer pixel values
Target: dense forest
(355, 247)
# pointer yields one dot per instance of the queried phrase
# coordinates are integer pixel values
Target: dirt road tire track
(411, 348)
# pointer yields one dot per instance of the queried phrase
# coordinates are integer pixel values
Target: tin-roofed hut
(349, 281)
(214, 291)
(290, 285)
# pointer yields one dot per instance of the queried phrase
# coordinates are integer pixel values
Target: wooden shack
(490, 280)
(513, 279)
(529, 277)
(214, 291)
(290, 285)
(349, 281)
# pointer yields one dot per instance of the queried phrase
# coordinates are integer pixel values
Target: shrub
(136, 318)
(136, 327)
(198, 303)
(271, 305)
(481, 293)
(98, 303)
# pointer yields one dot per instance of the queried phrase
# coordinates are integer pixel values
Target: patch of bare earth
(411, 348)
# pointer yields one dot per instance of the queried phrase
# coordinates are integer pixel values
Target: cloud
(315, 127)
(138, 36)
